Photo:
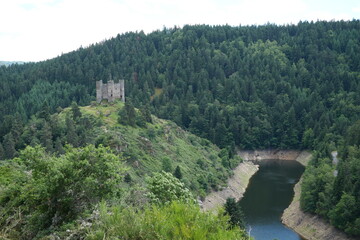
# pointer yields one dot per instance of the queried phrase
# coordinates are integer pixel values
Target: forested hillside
(113, 153)
(259, 86)
(292, 86)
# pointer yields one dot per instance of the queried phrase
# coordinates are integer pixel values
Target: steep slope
(57, 184)
(162, 145)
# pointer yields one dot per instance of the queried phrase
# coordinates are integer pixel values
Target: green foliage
(178, 173)
(294, 86)
(41, 191)
(233, 209)
(75, 111)
(128, 115)
(176, 220)
(343, 212)
(2, 153)
(167, 165)
(164, 188)
(308, 139)
(9, 146)
(335, 198)
(317, 181)
(128, 178)
(260, 87)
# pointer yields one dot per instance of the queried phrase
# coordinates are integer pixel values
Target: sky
(36, 30)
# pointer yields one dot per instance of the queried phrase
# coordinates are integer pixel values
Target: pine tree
(75, 111)
(128, 178)
(233, 208)
(46, 137)
(71, 136)
(178, 173)
(58, 146)
(2, 153)
(9, 146)
(45, 111)
(145, 111)
(130, 113)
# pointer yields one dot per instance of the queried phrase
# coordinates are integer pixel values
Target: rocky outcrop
(236, 186)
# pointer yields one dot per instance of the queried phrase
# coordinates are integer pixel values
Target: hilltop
(110, 159)
(162, 145)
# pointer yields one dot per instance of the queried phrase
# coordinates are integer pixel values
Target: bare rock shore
(236, 186)
(309, 226)
(238, 183)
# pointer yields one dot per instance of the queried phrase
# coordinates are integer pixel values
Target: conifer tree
(58, 146)
(9, 146)
(75, 111)
(71, 135)
(46, 137)
(178, 173)
(45, 111)
(2, 153)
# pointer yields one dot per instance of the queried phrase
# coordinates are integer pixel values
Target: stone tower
(110, 91)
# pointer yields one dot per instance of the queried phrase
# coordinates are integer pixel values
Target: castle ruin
(110, 91)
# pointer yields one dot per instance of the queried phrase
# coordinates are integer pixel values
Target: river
(269, 192)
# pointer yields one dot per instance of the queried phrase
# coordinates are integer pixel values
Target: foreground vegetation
(51, 190)
(293, 86)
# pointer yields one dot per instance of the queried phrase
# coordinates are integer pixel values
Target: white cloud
(35, 30)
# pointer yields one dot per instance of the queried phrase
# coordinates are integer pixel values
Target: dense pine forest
(250, 87)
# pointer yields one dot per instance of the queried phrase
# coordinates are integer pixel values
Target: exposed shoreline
(236, 187)
(309, 226)
(237, 184)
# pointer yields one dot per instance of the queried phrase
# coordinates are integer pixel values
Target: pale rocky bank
(238, 183)
(310, 227)
(236, 186)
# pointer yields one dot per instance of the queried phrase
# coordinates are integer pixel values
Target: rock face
(310, 226)
(236, 186)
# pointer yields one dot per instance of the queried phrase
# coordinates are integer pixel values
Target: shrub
(49, 190)
(176, 220)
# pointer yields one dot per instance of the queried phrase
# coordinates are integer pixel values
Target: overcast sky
(36, 30)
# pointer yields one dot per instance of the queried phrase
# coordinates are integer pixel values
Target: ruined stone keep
(110, 91)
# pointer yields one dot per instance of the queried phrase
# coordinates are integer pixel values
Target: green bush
(164, 188)
(176, 220)
(43, 191)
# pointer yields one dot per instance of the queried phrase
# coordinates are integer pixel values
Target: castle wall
(122, 90)
(110, 91)
(99, 93)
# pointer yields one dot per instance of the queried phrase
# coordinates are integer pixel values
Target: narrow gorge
(308, 226)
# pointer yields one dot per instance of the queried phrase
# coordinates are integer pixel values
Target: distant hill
(8, 63)
(252, 84)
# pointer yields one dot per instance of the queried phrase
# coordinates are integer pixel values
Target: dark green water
(270, 191)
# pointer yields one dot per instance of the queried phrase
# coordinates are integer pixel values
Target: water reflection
(270, 191)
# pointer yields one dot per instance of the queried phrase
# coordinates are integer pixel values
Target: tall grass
(172, 221)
